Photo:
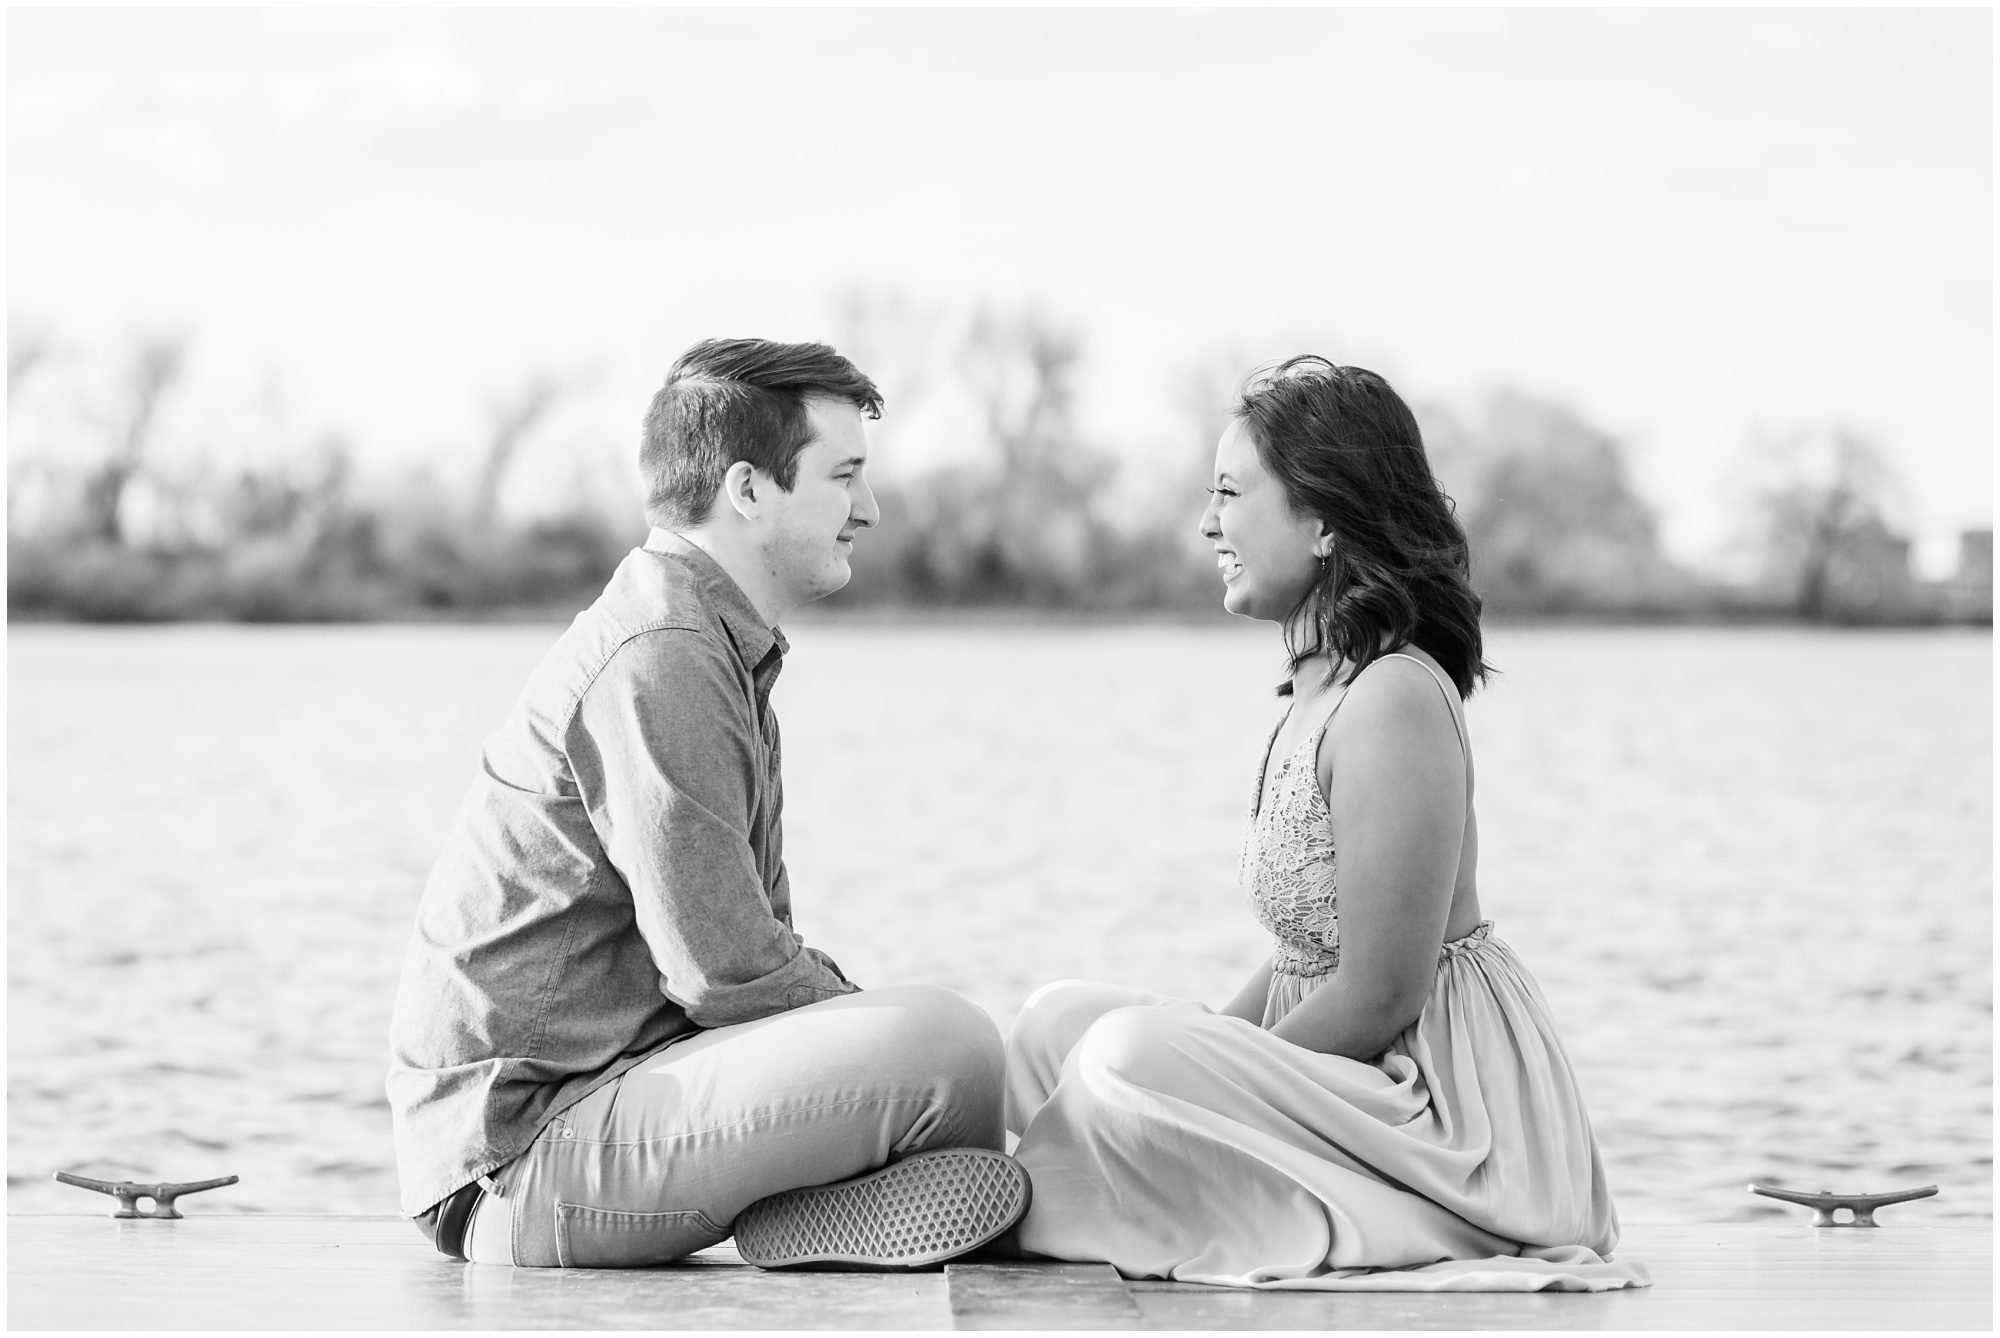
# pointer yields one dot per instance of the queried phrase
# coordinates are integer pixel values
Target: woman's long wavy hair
(1348, 451)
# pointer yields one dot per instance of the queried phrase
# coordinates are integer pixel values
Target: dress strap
(1450, 697)
(1444, 687)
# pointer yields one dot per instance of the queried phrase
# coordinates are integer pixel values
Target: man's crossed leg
(660, 1163)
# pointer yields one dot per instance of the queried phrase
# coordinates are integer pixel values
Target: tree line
(1023, 513)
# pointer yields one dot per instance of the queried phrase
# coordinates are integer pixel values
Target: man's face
(810, 530)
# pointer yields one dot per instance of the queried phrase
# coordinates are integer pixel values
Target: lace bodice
(1287, 864)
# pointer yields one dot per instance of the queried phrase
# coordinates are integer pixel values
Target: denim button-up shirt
(615, 879)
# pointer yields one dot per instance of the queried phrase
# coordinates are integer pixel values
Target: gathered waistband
(1311, 962)
(1471, 941)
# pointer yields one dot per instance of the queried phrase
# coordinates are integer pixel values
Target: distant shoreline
(885, 615)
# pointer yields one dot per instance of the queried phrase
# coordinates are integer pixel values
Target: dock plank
(290, 1272)
(256, 1272)
(1039, 1296)
(1735, 1276)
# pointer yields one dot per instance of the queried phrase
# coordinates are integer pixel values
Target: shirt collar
(754, 641)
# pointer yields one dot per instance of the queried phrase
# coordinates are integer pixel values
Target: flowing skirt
(1174, 1142)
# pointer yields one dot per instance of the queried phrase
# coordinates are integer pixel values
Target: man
(610, 1046)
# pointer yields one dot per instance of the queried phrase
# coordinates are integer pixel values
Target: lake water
(1751, 868)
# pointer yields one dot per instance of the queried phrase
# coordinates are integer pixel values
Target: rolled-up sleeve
(667, 755)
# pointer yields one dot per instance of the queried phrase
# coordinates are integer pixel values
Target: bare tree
(1021, 369)
(28, 348)
(1035, 529)
(1548, 504)
(156, 366)
(1826, 522)
(1204, 393)
(300, 498)
(891, 339)
(510, 421)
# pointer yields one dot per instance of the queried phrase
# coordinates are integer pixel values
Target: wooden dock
(272, 1272)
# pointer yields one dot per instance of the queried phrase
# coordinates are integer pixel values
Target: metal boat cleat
(1824, 1203)
(129, 1192)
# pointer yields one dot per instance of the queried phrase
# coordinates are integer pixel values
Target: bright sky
(1694, 225)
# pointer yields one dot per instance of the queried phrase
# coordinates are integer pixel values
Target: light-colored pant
(658, 1164)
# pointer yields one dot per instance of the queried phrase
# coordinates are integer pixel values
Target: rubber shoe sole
(912, 1214)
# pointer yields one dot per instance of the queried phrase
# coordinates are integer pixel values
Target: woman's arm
(1249, 1001)
(1394, 777)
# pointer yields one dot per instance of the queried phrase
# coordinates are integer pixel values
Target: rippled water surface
(1752, 869)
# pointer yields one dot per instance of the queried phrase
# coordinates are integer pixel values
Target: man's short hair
(737, 399)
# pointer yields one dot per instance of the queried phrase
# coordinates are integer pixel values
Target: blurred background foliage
(121, 509)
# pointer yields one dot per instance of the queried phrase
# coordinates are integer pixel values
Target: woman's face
(1269, 555)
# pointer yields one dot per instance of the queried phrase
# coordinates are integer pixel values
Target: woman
(1384, 1104)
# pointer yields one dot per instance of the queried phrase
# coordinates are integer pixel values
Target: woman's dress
(1175, 1142)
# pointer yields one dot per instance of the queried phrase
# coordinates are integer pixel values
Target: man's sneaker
(914, 1213)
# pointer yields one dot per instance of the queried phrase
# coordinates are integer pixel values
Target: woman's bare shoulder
(1404, 686)
(1395, 705)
